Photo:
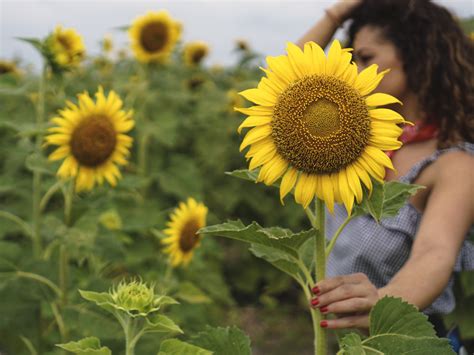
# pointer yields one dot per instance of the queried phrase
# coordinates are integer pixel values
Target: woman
(413, 255)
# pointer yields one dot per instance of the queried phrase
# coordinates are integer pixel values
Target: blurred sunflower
(65, 48)
(242, 45)
(7, 67)
(154, 36)
(91, 139)
(195, 52)
(316, 126)
(107, 44)
(182, 229)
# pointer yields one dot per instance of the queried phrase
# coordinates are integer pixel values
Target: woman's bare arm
(324, 29)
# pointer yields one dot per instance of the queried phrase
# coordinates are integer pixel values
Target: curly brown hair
(437, 58)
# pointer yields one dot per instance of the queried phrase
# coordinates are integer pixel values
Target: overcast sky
(266, 25)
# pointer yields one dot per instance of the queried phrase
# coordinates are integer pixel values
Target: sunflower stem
(63, 252)
(320, 333)
(36, 211)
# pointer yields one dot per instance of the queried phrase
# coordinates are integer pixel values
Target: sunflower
(316, 126)
(65, 47)
(154, 36)
(182, 229)
(7, 67)
(107, 44)
(91, 139)
(195, 52)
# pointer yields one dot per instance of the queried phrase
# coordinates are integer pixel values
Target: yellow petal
(380, 99)
(260, 97)
(334, 57)
(297, 59)
(363, 175)
(256, 134)
(252, 121)
(273, 170)
(305, 189)
(385, 143)
(354, 183)
(262, 156)
(60, 153)
(319, 59)
(379, 156)
(386, 115)
(328, 191)
(346, 194)
(255, 110)
(280, 65)
(288, 182)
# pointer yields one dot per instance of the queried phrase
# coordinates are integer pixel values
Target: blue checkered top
(380, 250)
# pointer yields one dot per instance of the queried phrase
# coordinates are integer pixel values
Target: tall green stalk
(317, 219)
(36, 211)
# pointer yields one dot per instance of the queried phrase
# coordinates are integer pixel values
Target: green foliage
(178, 347)
(396, 328)
(386, 199)
(86, 346)
(223, 341)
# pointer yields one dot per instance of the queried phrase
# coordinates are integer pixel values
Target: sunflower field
(109, 167)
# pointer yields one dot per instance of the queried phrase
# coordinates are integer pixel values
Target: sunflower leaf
(223, 341)
(177, 347)
(396, 328)
(86, 346)
(245, 174)
(158, 323)
(386, 199)
(277, 238)
(277, 258)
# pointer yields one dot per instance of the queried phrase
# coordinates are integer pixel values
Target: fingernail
(315, 290)
(323, 323)
(323, 309)
(314, 302)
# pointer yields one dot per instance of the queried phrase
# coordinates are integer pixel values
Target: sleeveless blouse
(379, 250)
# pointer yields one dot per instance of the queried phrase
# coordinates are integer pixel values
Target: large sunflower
(91, 139)
(195, 52)
(66, 47)
(316, 126)
(154, 36)
(182, 238)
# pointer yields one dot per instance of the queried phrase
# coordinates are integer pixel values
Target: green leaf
(86, 346)
(393, 315)
(277, 258)
(164, 300)
(35, 42)
(223, 341)
(397, 328)
(103, 299)
(351, 344)
(395, 344)
(158, 323)
(245, 174)
(386, 199)
(190, 293)
(178, 347)
(275, 237)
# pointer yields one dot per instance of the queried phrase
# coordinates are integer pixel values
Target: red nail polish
(314, 302)
(315, 290)
(323, 309)
(324, 324)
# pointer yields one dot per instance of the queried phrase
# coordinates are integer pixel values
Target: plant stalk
(36, 211)
(320, 334)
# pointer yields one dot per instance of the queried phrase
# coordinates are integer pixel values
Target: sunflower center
(153, 36)
(65, 42)
(188, 238)
(322, 118)
(198, 55)
(320, 124)
(93, 141)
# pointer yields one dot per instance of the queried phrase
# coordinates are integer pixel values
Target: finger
(352, 305)
(329, 284)
(360, 321)
(344, 292)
